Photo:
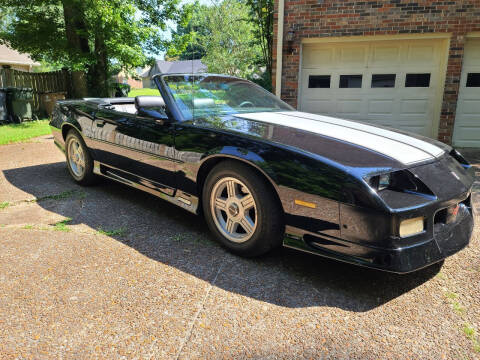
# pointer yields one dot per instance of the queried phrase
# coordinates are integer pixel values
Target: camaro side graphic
(265, 175)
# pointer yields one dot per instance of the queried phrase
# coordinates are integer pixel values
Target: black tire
(87, 177)
(270, 227)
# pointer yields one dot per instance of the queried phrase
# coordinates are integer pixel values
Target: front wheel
(241, 209)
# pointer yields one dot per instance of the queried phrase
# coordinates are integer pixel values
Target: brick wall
(335, 18)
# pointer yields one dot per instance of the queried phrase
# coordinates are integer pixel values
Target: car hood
(348, 142)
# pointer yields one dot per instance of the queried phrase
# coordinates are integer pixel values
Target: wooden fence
(41, 83)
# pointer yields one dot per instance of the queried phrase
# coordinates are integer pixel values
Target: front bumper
(442, 241)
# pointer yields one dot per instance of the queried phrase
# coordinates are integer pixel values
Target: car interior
(152, 106)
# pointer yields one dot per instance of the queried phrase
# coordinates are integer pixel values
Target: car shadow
(173, 236)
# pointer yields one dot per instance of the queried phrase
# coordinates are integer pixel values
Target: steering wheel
(246, 104)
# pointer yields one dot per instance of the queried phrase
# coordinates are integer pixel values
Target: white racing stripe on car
(420, 144)
(400, 148)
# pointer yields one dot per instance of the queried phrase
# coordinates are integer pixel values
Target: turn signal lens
(411, 227)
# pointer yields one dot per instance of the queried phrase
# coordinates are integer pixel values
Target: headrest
(149, 102)
(203, 102)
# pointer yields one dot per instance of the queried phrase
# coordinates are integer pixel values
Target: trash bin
(3, 105)
(121, 90)
(49, 100)
(20, 103)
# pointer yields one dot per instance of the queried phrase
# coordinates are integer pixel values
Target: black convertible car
(265, 175)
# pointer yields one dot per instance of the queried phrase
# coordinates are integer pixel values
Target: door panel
(138, 145)
(467, 121)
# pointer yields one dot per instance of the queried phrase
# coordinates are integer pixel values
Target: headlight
(383, 181)
(402, 180)
(411, 227)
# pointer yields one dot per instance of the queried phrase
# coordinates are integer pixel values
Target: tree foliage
(96, 36)
(233, 37)
(6, 17)
(222, 35)
(185, 43)
(230, 46)
(261, 17)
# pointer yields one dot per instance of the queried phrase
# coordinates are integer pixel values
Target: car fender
(244, 155)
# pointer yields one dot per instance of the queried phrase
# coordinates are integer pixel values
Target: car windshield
(206, 95)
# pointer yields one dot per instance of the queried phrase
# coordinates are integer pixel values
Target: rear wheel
(79, 161)
(242, 210)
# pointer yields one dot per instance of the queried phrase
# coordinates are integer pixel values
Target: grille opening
(441, 217)
(448, 215)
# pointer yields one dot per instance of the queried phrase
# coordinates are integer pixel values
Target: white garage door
(395, 83)
(467, 122)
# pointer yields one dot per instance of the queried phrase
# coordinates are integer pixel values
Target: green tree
(95, 36)
(224, 34)
(230, 46)
(185, 44)
(6, 17)
(261, 17)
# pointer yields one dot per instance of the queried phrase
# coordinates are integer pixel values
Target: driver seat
(151, 106)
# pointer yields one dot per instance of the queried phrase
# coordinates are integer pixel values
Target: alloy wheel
(234, 209)
(76, 157)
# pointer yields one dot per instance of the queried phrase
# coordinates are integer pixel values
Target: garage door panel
(472, 55)
(349, 107)
(378, 119)
(385, 56)
(318, 95)
(387, 101)
(381, 107)
(320, 107)
(470, 121)
(411, 121)
(470, 107)
(470, 133)
(467, 121)
(422, 54)
(421, 130)
(315, 58)
(353, 56)
(414, 107)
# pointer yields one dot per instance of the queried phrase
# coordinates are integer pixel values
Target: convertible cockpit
(153, 106)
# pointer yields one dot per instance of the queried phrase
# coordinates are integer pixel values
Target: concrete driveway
(110, 272)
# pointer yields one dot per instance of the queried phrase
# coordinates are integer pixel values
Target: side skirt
(174, 196)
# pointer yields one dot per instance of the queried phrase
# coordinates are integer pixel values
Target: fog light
(411, 227)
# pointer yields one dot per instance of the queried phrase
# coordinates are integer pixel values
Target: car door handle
(99, 123)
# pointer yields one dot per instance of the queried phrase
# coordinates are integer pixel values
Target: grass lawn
(12, 133)
(146, 91)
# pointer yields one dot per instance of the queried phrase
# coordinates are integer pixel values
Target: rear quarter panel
(76, 115)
